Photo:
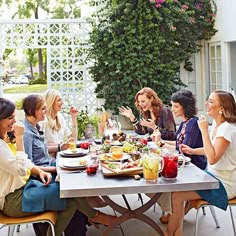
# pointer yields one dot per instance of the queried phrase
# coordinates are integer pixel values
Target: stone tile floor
(135, 227)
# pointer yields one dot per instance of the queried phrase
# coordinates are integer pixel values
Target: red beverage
(84, 145)
(170, 168)
(91, 168)
(143, 141)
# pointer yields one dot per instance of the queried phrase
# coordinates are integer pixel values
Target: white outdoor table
(82, 185)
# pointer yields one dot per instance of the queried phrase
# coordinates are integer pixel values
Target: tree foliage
(138, 43)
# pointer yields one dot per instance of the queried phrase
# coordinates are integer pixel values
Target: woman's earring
(220, 112)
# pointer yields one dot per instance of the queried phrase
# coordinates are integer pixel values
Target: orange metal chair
(49, 217)
(198, 204)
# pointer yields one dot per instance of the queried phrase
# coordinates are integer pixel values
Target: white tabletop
(80, 184)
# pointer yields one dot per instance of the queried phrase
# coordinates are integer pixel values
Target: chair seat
(39, 217)
(199, 203)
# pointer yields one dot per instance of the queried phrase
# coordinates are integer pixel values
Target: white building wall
(225, 21)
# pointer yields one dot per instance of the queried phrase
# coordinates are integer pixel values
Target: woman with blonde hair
(55, 129)
(155, 115)
(26, 188)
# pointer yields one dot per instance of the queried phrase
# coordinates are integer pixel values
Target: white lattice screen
(64, 41)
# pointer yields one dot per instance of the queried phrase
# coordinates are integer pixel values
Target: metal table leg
(127, 213)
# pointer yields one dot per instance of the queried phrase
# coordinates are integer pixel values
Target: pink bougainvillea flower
(158, 5)
(184, 6)
(198, 6)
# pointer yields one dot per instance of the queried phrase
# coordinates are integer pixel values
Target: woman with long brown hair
(154, 115)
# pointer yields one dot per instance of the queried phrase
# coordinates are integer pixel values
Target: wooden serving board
(129, 171)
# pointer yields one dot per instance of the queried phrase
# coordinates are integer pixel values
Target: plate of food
(75, 164)
(109, 157)
(123, 168)
(78, 152)
(180, 158)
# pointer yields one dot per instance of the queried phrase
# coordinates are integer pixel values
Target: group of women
(27, 161)
(212, 151)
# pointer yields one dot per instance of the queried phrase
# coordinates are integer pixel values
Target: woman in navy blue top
(184, 106)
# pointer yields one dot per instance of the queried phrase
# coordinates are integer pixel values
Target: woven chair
(198, 204)
(50, 217)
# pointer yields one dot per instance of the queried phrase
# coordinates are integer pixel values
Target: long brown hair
(227, 101)
(7, 108)
(156, 103)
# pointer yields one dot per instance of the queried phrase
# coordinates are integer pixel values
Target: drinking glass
(72, 145)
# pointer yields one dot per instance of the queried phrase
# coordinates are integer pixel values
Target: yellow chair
(198, 204)
(49, 217)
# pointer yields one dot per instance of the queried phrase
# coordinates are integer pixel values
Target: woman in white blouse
(220, 149)
(56, 131)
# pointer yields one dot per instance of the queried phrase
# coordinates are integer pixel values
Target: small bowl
(117, 149)
(117, 155)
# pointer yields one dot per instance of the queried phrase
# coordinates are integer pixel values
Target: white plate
(74, 164)
(187, 159)
(116, 143)
(78, 153)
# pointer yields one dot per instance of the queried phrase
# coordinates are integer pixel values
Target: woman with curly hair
(219, 147)
(155, 115)
(188, 134)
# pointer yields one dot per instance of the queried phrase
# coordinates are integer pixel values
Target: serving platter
(117, 170)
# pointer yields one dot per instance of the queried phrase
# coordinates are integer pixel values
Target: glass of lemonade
(72, 146)
(151, 166)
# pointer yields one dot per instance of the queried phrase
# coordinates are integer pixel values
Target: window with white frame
(215, 67)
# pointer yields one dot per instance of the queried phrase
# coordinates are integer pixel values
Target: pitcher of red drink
(171, 167)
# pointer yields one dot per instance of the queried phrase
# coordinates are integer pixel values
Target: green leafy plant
(138, 43)
(83, 119)
(19, 103)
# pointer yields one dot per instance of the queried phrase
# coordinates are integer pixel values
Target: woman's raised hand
(148, 123)
(74, 111)
(126, 111)
(19, 129)
(203, 123)
(156, 136)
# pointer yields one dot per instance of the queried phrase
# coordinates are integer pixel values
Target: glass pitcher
(171, 166)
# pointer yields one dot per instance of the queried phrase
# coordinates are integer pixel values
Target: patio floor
(135, 227)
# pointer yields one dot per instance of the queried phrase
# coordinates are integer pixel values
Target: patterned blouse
(190, 134)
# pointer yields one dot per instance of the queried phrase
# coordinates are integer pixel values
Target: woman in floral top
(188, 133)
(155, 115)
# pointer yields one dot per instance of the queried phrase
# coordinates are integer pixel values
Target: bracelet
(59, 147)
(161, 143)
(134, 121)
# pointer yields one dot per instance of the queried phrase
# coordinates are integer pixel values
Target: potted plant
(88, 126)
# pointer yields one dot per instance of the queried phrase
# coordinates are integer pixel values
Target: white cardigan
(12, 170)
